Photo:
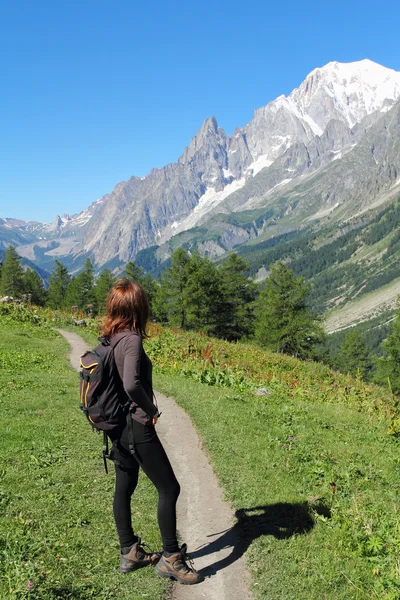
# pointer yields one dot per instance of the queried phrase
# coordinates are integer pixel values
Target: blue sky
(96, 91)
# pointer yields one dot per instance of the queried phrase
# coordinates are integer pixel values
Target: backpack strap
(106, 453)
(113, 341)
(131, 440)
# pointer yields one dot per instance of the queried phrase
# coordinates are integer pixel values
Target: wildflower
(283, 446)
(30, 585)
(291, 437)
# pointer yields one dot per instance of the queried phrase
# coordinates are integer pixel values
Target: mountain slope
(316, 158)
(331, 110)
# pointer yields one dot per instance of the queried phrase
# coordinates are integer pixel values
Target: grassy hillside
(56, 529)
(314, 486)
(310, 467)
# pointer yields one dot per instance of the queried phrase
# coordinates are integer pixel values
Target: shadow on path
(281, 520)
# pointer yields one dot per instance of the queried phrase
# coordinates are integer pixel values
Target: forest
(193, 293)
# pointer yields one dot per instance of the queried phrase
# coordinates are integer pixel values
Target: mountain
(325, 116)
(319, 159)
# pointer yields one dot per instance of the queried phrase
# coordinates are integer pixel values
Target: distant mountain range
(325, 158)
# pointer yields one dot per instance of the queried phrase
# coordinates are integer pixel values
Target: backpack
(103, 398)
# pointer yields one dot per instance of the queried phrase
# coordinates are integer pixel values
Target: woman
(136, 442)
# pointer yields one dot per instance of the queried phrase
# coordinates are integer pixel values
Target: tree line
(194, 293)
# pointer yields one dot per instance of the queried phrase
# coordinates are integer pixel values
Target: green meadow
(57, 535)
(311, 469)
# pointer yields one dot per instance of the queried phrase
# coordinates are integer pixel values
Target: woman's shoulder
(130, 340)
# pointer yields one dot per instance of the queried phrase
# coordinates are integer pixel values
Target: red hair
(127, 308)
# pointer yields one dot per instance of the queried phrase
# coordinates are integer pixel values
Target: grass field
(57, 534)
(311, 468)
(315, 487)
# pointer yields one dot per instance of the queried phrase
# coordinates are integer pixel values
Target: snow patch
(262, 162)
(338, 154)
(207, 202)
(210, 199)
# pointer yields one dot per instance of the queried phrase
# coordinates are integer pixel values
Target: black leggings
(157, 467)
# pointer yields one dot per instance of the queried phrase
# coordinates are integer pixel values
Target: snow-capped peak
(346, 92)
(355, 90)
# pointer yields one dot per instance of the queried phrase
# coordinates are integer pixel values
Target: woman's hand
(155, 418)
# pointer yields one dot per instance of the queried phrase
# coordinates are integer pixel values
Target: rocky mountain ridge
(289, 140)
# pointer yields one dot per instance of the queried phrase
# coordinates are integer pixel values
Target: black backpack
(103, 398)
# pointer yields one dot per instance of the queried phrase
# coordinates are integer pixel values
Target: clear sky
(94, 91)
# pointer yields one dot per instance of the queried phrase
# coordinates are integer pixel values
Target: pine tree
(136, 274)
(73, 295)
(33, 285)
(174, 288)
(86, 283)
(236, 300)
(284, 322)
(12, 274)
(354, 356)
(159, 307)
(133, 272)
(80, 290)
(388, 371)
(150, 287)
(103, 286)
(202, 293)
(58, 284)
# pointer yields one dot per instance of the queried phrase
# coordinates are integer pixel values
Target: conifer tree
(103, 286)
(236, 300)
(159, 306)
(133, 272)
(174, 288)
(202, 293)
(284, 322)
(11, 283)
(80, 290)
(58, 284)
(150, 287)
(73, 294)
(388, 371)
(354, 356)
(33, 285)
(136, 274)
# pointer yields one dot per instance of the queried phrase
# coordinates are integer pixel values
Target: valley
(306, 181)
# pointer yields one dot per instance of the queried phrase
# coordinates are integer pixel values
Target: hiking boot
(176, 567)
(137, 558)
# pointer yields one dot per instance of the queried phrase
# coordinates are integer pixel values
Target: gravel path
(204, 517)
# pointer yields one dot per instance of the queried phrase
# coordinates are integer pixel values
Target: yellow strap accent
(87, 389)
(89, 366)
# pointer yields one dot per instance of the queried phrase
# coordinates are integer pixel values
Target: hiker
(136, 442)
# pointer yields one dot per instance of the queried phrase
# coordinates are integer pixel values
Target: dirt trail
(203, 515)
